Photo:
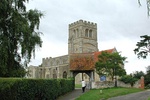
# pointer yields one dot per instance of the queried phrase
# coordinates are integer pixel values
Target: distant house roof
(85, 61)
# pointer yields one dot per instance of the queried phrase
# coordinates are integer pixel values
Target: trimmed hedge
(34, 89)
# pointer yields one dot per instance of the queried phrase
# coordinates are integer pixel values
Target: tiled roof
(99, 52)
(85, 61)
(82, 62)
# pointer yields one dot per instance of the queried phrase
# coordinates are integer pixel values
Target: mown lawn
(96, 94)
(78, 86)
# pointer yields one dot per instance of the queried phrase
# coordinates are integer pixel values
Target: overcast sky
(120, 24)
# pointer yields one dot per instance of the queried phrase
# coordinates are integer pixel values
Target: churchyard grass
(78, 85)
(104, 94)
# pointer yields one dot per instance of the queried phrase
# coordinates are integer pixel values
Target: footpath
(72, 95)
(144, 95)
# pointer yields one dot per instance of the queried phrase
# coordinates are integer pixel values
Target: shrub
(30, 89)
(147, 86)
(128, 79)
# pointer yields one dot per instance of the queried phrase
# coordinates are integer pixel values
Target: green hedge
(34, 89)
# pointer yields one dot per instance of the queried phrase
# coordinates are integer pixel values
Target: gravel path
(144, 95)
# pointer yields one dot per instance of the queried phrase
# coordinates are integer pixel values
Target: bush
(147, 86)
(30, 89)
(128, 79)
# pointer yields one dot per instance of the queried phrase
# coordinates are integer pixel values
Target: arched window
(86, 33)
(74, 33)
(64, 74)
(90, 33)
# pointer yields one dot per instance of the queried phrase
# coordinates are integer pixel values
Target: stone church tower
(82, 37)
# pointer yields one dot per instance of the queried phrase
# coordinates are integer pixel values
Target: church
(82, 54)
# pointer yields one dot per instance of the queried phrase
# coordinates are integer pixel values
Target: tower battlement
(82, 22)
(82, 37)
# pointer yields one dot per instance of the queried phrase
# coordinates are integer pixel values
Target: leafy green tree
(138, 74)
(110, 64)
(143, 47)
(19, 36)
(102, 64)
(148, 68)
(147, 76)
(128, 79)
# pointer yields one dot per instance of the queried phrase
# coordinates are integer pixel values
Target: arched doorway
(86, 75)
(82, 63)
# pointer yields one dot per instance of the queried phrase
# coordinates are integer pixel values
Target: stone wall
(105, 84)
(51, 68)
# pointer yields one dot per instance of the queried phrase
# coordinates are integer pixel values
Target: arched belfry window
(64, 74)
(86, 33)
(74, 33)
(90, 33)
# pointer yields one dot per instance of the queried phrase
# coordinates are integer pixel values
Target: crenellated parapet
(56, 61)
(82, 37)
(82, 22)
(46, 59)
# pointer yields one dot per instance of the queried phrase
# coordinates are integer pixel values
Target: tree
(148, 6)
(18, 38)
(147, 76)
(128, 79)
(148, 68)
(143, 47)
(110, 64)
(138, 74)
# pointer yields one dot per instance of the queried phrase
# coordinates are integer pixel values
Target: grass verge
(78, 85)
(97, 94)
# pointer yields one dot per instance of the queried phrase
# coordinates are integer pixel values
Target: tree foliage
(143, 47)
(148, 6)
(138, 74)
(148, 68)
(132, 78)
(110, 64)
(128, 79)
(147, 76)
(18, 38)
